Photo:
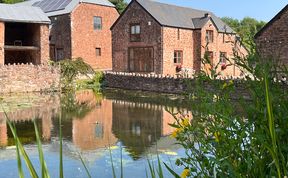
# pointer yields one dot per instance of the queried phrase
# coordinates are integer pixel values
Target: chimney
(207, 15)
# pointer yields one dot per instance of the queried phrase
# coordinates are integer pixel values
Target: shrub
(237, 138)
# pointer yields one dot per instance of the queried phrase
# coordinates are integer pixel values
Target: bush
(237, 138)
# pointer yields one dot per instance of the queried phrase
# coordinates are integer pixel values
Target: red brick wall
(150, 37)
(197, 50)
(165, 41)
(273, 42)
(85, 39)
(60, 35)
(171, 42)
(2, 34)
(44, 43)
(220, 44)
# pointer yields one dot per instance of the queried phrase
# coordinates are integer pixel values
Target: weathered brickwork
(29, 78)
(44, 44)
(272, 41)
(85, 39)
(60, 37)
(2, 34)
(151, 36)
(166, 40)
(180, 40)
(197, 50)
(73, 35)
(221, 43)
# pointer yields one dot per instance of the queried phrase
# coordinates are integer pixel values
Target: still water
(135, 127)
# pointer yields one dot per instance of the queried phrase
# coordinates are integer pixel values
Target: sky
(259, 9)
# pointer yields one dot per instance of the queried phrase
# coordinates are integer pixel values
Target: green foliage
(94, 84)
(246, 28)
(10, 1)
(71, 70)
(237, 138)
(120, 5)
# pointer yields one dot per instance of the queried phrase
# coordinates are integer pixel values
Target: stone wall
(166, 83)
(28, 78)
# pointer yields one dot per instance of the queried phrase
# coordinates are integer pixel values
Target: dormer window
(209, 36)
(135, 33)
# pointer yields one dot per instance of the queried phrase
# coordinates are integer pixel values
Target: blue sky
(260, 9)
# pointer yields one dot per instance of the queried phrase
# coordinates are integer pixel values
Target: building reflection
(140, 125)
(92, 122)
(3, 133)
(94, 130)
(43, 111)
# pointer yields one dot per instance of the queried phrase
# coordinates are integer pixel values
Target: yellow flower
(217, 136)
(185, 122)
(176, 132)
(185, 173)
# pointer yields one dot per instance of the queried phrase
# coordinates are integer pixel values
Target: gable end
(277, 17)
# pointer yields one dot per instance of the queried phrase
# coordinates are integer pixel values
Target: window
(97, 23)
(209, 36)
(209, 56)
(178, 34)
(98, 51)
(178, 57)
(223, 57)
(135, 31)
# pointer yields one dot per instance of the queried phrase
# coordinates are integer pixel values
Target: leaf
(171, 171)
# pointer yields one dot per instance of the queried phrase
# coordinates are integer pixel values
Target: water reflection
(92, 122)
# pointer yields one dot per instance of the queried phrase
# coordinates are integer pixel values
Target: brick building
(80, 28)
(155, 37)
(272, 39)
(24, 35)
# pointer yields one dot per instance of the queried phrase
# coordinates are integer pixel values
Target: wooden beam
(21, 48)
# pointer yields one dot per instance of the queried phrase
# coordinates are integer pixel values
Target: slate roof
(25, 14)
(60, 7)
(176, 16)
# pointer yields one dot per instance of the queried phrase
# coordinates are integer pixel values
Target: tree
(245, 28)
(120, 5)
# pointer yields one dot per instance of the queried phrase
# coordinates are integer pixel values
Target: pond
(132, 124)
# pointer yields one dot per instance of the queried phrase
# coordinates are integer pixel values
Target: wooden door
(141, 59)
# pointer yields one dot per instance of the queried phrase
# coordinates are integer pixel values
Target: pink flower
(223, 66)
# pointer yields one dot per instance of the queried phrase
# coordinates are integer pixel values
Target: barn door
(59, 54)
(141, 59)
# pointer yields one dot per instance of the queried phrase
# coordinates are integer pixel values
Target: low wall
(166, 84)
(29, 78)
(145, 82)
